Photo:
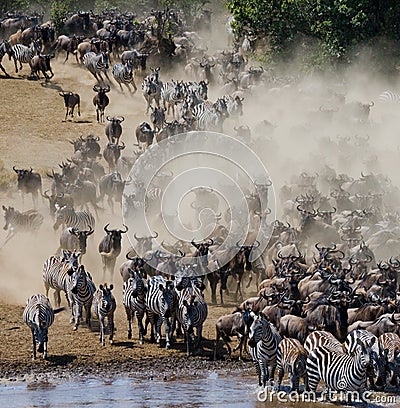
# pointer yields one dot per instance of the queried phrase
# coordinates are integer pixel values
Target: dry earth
(32, 133)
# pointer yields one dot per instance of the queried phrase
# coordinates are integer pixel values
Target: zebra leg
(33, 345)
(2, 68)
(258, 370)
(158, 329)
(280, 377)
(78, 314)
(141, 328)
(111, 328)
(167, 324)
(88, 316)
(305, 378)
(102, 331)
(128, 312)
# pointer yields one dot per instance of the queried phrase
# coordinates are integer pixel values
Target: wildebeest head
(82, 237)
(115, 235)
(145, 243)
(202, 250)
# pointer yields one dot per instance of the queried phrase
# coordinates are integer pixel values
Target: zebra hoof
(111, 342)
(75, 328)
(129, 336)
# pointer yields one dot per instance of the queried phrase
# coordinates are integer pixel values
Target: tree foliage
(337, 25)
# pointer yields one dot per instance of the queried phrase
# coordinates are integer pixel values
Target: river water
(210, 391)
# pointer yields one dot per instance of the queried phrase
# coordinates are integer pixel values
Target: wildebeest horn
(108, 118)
(136, 237)
(106, 228)
(45, 195)
(122, 119)
(256, 244)
(90, 232)
(155, 236)
(126, 229)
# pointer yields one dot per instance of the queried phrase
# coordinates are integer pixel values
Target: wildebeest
(113, 128)
(144, 135)
(110, 248)
(73, 239)
(68, 44)
(112, 153)
(70, 101)
(101, 101)
(41, 63)
(29, 182)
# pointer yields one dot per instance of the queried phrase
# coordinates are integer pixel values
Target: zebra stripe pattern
(104, 306)
(172, 93)
(389, 97)
(24, 54)
(68, 217)
(208, 116)
(80, 292)
(133, 294)
(377, 367)
(234, 105)
(15, 221)
(56, 272)
(263, 346)
(151, 89)
(96, 64)
(320, 338)
(161, 307)
(192, 309)
(340, 372)
(39, 316)
(123, 74)
(292, 358)
(5, 48)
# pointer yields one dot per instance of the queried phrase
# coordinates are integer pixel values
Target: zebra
(68, 217)
(16, 221)
(39, 316)
(192, 309)
(389, 97)
(160, 304)
(133, 294)
(322, 338)
(80, 292)
(24, 54)
(199, 89)
(263, 346)
(151, 90)
(96, 64)
(56, 274)
(377, 366)
(123, 74)
(104, 306)
(172, 93)
(389, 346)
(208, 116)
(339, 371)
(292, 357)
(5, 48)
(234, 105)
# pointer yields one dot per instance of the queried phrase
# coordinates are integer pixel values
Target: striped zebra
(5, 48)
(133, 294)
(199, 89)
(377, 368)
(96, 64)
(15, 221)
(339, 371)
(39, 316)
(208, 116)
(68, 217)
(151, 90)
(172, 93)
(192, 310)
(389, 97)
(389, 347)
(24, 54)
(80, 292)
(263, 346)
(123, 74)
(161, 307)
(104, 306)
(56, 274)
(234, 105)
(292, 358)
(322, 338)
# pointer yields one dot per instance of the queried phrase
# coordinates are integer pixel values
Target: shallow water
(211, 391)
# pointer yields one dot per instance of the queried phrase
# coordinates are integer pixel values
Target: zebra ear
(4, 208)
(111, 287)
(101, 287)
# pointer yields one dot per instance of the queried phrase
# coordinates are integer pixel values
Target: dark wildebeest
(68, 44)
(111, 154)
(144, 135)
(110, 248)
(70, 101)
(113, 128)
(41, 63)
(72, 239)
(29, 182)
(101, 101)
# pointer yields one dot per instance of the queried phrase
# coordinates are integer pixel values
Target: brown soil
(33, 134)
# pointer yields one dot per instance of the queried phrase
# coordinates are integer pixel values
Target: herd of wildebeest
(326, 304)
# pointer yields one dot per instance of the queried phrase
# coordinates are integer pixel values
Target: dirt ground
(33, 134)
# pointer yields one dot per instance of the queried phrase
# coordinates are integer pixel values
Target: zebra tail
(60, 309)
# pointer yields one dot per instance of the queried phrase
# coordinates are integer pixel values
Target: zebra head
(188, 313)
(8, 215)
(78, 276)
(71, 259)
(257, 329)
(137, 283)
(107, 298)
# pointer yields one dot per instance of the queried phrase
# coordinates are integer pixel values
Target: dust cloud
(305, 136)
